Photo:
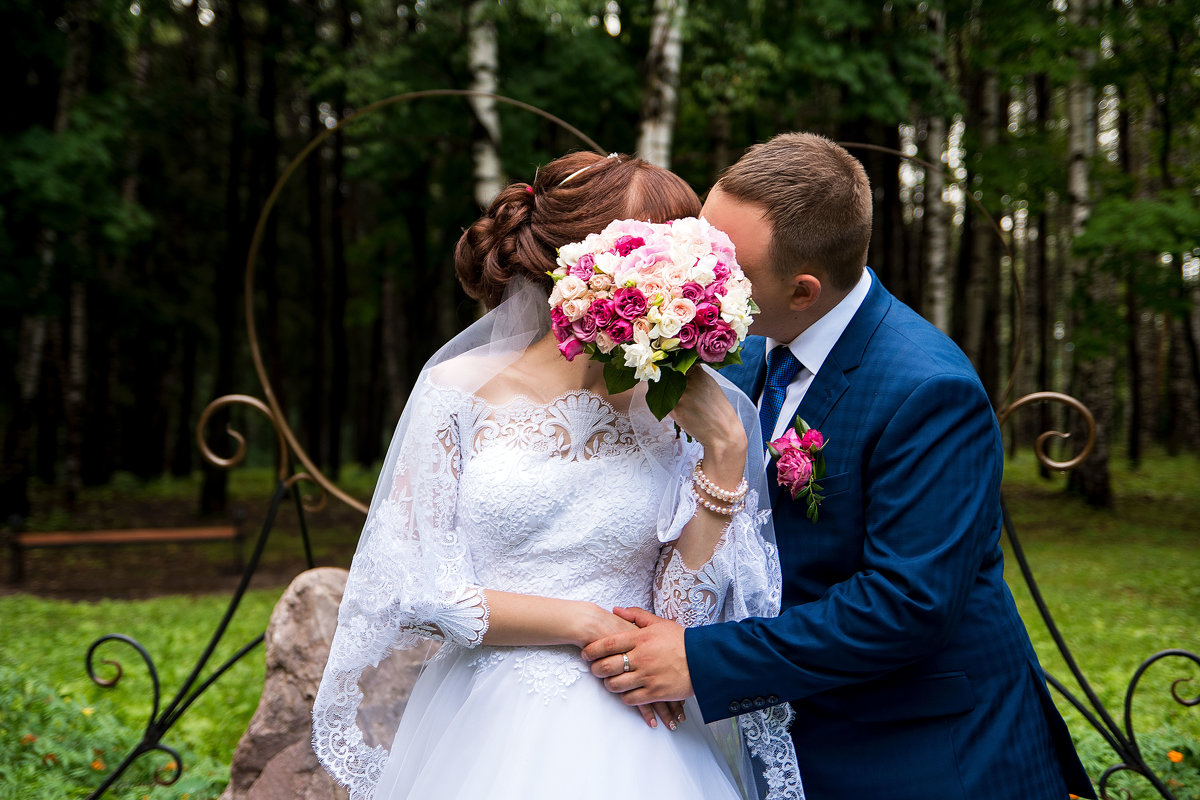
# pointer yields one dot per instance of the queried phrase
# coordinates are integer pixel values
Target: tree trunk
(660, 96)
(213, 496)
(339, 345)
(73, 393)
(981, 270)
(31, 341)
(483, 58)
(181, 450)
(1093, 372)
(936, 229)
(315, 413)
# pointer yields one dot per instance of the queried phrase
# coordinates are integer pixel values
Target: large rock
(274, 759)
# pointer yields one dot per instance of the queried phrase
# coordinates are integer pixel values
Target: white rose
(703, 272)
(607, 262)
(570, 287)
(668, 326)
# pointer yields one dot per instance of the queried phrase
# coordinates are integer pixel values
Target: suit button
(747, 705)
(734, 706)
(772, 699)
(759, 701)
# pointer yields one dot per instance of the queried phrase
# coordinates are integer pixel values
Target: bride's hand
(593, 623)
(706, 415)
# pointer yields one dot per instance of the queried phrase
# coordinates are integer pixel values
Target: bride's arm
(706, 415)
(523, 619)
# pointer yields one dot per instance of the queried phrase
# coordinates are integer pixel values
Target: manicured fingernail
(672, 725)
(653, 722)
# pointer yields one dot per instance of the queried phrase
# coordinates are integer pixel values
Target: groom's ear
(806, 291)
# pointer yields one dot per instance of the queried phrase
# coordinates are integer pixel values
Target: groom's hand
(658, 667)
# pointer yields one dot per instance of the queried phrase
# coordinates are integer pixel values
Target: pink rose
(604, 342)
(707, 314)
(570, 347)
(720, 271)
(574, 309)
(689, 334)
(812, 440)
(600, 282)
(692, 291)
(585, 328)
(790, 440)
(603, 312)
(621, 331)
(627, 244)
(583, 268)
(794, 469)
(682, 308)
(715, 343)
(644, 260)
(631, 303)
(559, 323)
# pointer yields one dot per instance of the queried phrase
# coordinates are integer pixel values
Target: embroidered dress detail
(561, 498)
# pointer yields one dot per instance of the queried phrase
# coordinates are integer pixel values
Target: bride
(519, 503)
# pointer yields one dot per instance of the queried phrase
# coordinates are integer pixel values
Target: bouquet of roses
(649, 300)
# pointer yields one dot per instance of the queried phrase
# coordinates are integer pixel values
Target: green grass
(83, 730)
(1121, 584)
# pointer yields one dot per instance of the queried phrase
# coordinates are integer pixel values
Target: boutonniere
(800, 463)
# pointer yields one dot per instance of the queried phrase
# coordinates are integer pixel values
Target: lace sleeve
(740, 580)
(411, 579)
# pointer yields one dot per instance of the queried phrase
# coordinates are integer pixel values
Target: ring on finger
(625, 667)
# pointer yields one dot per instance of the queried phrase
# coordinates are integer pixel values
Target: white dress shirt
(813, 346)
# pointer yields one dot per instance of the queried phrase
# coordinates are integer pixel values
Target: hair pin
(617, 156)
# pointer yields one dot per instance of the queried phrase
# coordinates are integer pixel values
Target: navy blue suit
(899, 645)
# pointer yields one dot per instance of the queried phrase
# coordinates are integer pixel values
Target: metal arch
(312, 471)
(160, 720)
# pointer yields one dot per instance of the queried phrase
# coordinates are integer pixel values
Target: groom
(898, 644)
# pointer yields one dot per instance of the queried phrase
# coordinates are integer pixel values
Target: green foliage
(83, 731)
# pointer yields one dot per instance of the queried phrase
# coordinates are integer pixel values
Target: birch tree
(483, 59)
(1093, 362)
(660, 97)
(936, 219)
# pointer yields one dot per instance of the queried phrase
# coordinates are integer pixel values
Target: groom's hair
(818, 201)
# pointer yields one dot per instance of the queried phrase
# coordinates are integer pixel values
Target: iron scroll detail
(1121, 737)
(160, 720)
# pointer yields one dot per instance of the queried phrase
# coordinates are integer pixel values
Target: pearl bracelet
(726, 511)
(716, 491)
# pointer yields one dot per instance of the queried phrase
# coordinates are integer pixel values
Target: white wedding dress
(560, 499)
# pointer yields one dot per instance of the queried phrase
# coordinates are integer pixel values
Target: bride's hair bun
(570, 197)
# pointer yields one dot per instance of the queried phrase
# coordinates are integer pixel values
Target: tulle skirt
(532, 724)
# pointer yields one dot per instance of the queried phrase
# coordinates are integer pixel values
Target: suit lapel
(832, 379)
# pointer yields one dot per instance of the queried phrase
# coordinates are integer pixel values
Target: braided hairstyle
(521, 232)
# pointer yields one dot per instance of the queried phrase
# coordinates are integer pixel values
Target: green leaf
(731, 357)
(687, 361)
(663, 395)
(618, 377)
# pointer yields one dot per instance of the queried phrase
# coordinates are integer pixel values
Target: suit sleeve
(931, 494)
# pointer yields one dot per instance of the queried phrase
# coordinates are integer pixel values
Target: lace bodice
(559, 499)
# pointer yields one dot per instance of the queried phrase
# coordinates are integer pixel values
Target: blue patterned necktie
(782, 366)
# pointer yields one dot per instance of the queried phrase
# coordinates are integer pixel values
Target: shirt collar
(814, 345)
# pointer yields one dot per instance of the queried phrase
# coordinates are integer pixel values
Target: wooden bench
(19, 542)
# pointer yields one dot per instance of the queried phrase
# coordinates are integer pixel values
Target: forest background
(143, 137)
